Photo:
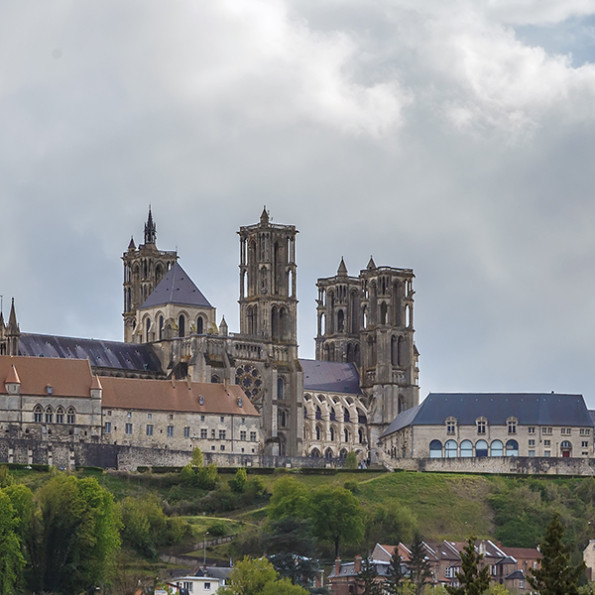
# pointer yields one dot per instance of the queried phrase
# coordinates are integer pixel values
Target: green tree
(145, 524)
(12, 560)
(337, 516)
(290, 499)
(238, 483)
(250, 576)
(207, 477)
(557, 574)
(367, 579)
(283, 587)
(5, 477)
(472, 580)
(351, 460)
(394, 575)
(74, 535)
(197, 457)
(419, 565)
(290, 547)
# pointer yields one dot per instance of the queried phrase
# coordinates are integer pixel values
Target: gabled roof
(179, 395)
(545, 409)
(64, 377)
(176, 288)
(101, 354)
(334, 377)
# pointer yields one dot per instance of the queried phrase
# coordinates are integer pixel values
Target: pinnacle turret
(150, 229)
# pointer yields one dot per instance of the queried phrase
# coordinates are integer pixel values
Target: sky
(454, 138)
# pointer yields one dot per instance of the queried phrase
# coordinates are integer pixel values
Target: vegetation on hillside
(291, 514)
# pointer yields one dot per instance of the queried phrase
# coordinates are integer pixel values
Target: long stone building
(366, 371)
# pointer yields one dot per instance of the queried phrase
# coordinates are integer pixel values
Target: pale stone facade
(334, 425)
(480, 426)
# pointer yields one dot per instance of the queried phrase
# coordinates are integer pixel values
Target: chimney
(337, 566)
(357, 564)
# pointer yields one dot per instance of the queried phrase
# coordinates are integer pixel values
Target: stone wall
(504, 465)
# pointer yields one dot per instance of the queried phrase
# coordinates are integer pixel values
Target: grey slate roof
(335, 377)
(545, 409)
(176, 288)
(101, 354)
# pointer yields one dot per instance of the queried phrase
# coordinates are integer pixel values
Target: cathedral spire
(342, 270)
(264, 218)
(150, 229)
(371, 264)
(12, 327)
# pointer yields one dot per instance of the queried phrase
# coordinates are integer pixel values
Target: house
(508, 566)
(205, 581)
(484, 425)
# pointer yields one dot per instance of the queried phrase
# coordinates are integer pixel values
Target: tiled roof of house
(44, 376)
(177, 288)
(523, 553)
(334, 377)
(178, 395)
(101, 354)
(548, 409)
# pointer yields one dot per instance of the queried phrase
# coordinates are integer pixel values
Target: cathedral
(366, 367)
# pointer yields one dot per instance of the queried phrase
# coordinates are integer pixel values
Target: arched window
(435, 449)
(181, 326)
(343, 454)
(315, 454)
(318, 413)
(49, 415)
(282, 418)
(512, 448)
(328, 455)
(60, 415)
(450, 449)
(37, 413)
(497, 449)
(481, 448)
(566, 448)
(383, 312)
(280, 388)
(346, 417)
(346, 435)
(340, 321)
(317, 432)
(332, 433)
(466, 449)
(200, 325)
(70, 415)
(360, 436)
(147, 329)
(160, 328)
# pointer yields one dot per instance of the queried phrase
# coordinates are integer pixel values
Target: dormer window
(511, 423)
(451, 426)
(49, 390)
(482, 424)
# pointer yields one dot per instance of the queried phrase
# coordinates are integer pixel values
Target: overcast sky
(455, 138)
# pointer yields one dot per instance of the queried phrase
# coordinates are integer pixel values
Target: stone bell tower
(144, 267)
(389, 358)
(268, 301)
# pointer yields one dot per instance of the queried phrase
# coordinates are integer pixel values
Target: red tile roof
(66, 377)
(178, 395)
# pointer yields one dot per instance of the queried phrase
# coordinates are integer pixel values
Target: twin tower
(365, 321)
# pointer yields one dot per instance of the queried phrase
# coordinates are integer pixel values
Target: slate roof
(540, 409)
(176, 288)
(334, 377)
(101, 354)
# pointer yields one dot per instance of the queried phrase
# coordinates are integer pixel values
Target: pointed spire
(223, 328)
(13, 376)
(13, 326)
(342, 270)
(264, 218)
(371, 264)
(132, 245)
(2, 324)
(150, 229)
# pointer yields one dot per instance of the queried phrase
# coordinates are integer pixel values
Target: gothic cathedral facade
(365, 329)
